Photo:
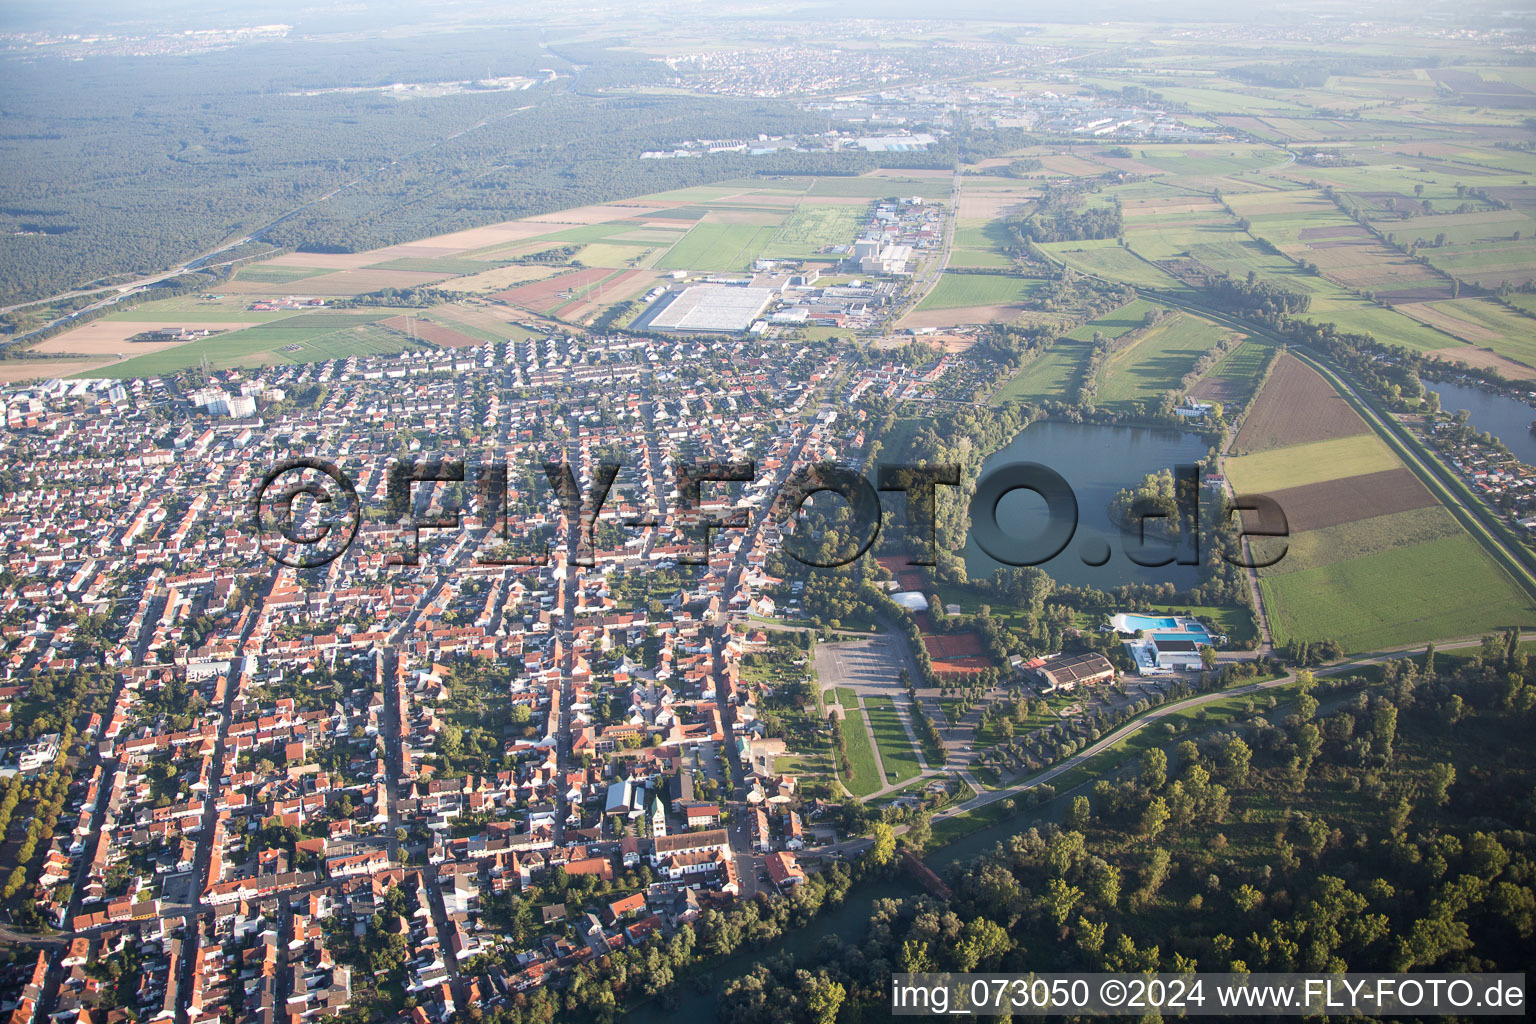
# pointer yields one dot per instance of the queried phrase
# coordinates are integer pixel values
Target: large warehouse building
(719, 308)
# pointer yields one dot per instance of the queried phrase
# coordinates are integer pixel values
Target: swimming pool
(1168, 627)
(1131, 623)
(1194, 636)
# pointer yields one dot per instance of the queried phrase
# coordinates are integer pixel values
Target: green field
(861, 756)
(895, 748)
(814, 226)
(1312, 549)
(265, 273)
(871, 187)
(981, 243)
(1242, 363)
(1115, 323)
(718, 247)
(1436, 590)
(306, 338)
(1298, 464)
(960, 291)
(1486, 324)
(1108, 259)
(1156, 363)
(1049, 377)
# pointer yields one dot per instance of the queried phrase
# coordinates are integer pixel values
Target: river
(1097, 461)
(1507, 419)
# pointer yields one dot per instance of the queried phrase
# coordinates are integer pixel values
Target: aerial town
(509, 520)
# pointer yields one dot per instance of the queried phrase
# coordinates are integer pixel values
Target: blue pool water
(1198, 636)
(1135, 622)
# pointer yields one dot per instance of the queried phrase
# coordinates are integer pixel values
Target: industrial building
(713, 308)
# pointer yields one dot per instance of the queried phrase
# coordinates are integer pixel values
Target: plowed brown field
(1314, 506)
(1296, 407)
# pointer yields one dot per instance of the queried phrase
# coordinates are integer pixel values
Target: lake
(1507, 419)
(1097, 461)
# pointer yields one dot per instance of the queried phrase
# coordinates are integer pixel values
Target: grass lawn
(865, 776)
(1439, 589)
(1157, 361)
(1232, 620)
(957, 291)
(1298, 464)
(895, 749)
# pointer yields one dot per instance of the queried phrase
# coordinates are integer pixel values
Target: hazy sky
(365, 16)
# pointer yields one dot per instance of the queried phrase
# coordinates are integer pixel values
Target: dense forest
(120, 166)
(1254, 295)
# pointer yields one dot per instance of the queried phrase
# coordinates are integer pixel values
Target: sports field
(895, 748)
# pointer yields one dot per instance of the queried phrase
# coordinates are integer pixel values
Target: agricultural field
(813, 227)
(718, 247)
(1116, 322)
(1441, 588)
(1483, 323)
(981, 243)
(1296, 406)
(1156, 362)
(1311, 549)
(1372, 558)
(307, 338)
(989, 292)
(1316, 462)
(1110, 260)
(1049, 377)
(881, 186)
(1232, 379)
(1349, 499)
(266, 273)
